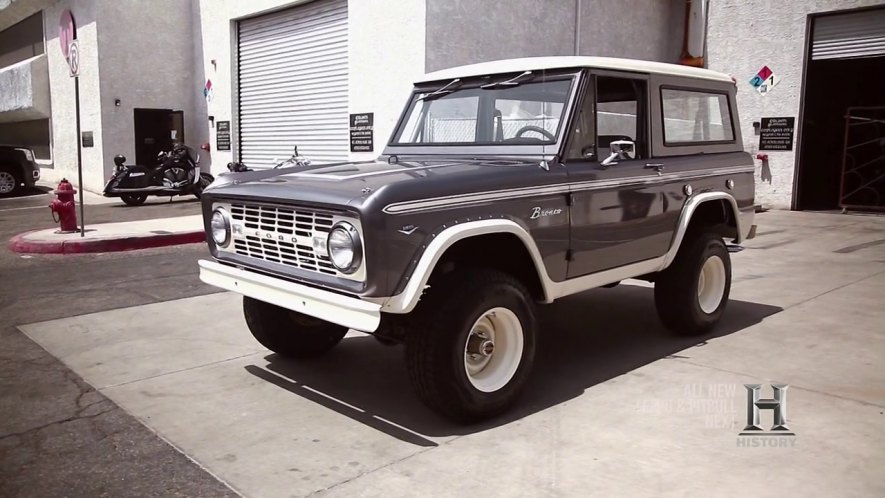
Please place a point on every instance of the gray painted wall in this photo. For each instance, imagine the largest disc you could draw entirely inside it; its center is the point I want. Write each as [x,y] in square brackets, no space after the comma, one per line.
[469,31]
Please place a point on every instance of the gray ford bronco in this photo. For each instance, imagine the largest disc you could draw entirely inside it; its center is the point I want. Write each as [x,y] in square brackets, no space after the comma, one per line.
[505,185]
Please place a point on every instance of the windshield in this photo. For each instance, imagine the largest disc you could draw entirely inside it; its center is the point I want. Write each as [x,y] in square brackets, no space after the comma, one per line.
[527,113]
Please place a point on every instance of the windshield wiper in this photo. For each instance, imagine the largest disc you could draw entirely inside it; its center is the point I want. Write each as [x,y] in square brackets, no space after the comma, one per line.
[514,81]
[439,92]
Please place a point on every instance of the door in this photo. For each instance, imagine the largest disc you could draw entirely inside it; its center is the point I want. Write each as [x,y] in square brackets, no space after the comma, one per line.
[156,130]
[293,84]
[617,204]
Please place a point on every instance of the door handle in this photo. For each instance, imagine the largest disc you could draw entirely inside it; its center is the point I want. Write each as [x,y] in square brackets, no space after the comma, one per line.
[655,166]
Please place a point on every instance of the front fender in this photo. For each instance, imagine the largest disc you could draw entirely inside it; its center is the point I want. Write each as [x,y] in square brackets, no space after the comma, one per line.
[405,301]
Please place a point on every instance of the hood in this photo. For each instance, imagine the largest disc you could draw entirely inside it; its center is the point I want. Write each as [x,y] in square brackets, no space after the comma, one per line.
[358,183]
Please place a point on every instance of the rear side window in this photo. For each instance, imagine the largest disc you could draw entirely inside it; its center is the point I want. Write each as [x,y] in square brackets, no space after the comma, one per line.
[695,116]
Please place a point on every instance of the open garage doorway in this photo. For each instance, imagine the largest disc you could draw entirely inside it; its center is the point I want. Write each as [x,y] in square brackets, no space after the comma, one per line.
[843,165]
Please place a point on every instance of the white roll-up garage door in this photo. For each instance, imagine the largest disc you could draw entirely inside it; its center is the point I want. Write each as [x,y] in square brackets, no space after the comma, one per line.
[293,84]
[854,34]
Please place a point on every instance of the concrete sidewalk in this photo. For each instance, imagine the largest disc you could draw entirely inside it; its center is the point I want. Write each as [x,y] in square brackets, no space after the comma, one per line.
[616,406]
[109,237]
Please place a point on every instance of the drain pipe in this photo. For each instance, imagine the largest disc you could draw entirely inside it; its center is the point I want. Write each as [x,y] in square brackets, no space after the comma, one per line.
[577,27]
[694,40]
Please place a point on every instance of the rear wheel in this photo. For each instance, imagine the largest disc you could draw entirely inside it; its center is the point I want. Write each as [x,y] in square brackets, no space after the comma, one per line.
[134,199]
[472,349]
[289,333]
[692,293]
[10,181]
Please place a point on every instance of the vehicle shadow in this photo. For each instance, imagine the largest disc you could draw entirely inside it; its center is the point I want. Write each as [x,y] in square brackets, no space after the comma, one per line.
[583,340]
[29,192]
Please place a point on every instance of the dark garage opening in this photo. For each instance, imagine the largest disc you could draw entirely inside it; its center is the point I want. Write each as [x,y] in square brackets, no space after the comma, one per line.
[832,86]
[844,83]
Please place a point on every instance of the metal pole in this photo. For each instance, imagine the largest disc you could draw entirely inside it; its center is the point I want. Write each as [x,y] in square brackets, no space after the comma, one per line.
[79,155]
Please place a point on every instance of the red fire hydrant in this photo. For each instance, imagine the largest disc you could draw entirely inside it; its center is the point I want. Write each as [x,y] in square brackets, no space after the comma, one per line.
[64,207]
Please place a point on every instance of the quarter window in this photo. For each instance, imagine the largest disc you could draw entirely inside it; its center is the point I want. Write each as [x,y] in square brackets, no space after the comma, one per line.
[695,117]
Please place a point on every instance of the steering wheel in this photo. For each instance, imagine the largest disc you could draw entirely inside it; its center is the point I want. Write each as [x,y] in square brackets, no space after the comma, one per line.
[537,129]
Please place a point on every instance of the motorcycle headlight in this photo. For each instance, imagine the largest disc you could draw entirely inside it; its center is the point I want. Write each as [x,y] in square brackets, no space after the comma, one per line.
[220,226]
[345,247]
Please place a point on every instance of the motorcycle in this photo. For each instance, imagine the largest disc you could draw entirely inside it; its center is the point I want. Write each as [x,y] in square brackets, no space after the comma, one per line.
[294,160]
[177,173]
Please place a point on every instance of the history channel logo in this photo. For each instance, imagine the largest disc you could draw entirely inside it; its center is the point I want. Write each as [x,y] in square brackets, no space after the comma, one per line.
[754,435]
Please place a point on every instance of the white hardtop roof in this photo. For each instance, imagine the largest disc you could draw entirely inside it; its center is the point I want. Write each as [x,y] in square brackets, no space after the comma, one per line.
[540,63]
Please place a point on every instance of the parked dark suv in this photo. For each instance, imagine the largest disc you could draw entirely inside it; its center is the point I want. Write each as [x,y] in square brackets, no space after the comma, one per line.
[17,169]
[505,185]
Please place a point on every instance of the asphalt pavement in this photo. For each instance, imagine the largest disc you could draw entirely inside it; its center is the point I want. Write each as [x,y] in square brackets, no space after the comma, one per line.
[58,435]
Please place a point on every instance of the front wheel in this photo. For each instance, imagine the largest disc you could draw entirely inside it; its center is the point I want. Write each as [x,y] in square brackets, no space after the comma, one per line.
[289,333]
[472,351]
[10,182]
[134,199]
[691,294]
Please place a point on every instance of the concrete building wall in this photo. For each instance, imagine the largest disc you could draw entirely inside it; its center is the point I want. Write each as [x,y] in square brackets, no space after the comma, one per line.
[386,55]
[25,92]
[468,31]
[61,85]
[743,37]
[147,61]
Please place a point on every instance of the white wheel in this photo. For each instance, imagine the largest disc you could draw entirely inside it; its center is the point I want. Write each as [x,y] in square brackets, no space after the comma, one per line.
[711,284]
[493,350]
[7,182]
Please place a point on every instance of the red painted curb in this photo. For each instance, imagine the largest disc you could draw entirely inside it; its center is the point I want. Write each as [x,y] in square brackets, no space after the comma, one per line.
[20,244]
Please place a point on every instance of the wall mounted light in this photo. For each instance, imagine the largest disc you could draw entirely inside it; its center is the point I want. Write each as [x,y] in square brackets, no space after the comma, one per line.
[116,102]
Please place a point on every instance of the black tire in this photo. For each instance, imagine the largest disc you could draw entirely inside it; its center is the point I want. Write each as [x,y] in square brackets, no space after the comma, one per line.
[435,347]
[676,288]
[289,333]
[11,171]
[134,199]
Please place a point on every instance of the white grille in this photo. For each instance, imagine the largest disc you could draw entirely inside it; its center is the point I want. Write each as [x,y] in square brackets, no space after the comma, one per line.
[281,235]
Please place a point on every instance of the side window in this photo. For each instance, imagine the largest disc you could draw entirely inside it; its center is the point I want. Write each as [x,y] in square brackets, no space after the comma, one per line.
[692,116]
[620,113]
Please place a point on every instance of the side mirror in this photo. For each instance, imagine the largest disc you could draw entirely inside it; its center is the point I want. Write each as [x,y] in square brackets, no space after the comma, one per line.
[119,159]
[620,150]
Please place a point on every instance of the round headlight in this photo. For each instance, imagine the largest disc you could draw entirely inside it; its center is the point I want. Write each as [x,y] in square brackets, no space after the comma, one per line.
[345,247]
[220,225]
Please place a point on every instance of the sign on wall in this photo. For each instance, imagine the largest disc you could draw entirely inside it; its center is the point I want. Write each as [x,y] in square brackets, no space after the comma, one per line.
[776,134]
[764,80]
[361,132]
[222,135]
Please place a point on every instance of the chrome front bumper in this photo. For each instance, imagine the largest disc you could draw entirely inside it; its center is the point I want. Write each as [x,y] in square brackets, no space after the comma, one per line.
[346,311]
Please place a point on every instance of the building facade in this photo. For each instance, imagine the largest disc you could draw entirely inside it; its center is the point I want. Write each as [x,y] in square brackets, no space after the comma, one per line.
[250,80]
[826,56]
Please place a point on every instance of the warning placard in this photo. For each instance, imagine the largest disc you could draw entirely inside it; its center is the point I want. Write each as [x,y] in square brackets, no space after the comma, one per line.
[776,134]
[361,132]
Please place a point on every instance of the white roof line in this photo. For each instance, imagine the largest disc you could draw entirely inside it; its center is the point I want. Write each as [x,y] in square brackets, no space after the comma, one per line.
[561,62]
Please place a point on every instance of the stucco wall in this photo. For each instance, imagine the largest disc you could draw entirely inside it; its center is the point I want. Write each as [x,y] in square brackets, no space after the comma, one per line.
[386,57]
[147,62]
[61,85]
[468,31]
[743,37]
[386,39]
